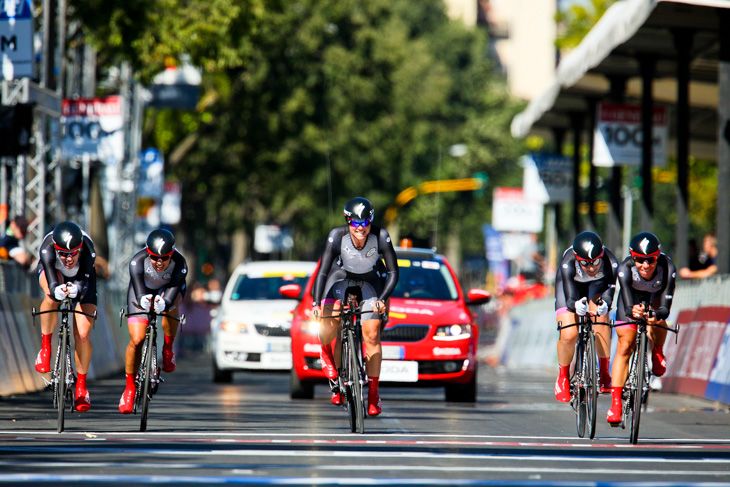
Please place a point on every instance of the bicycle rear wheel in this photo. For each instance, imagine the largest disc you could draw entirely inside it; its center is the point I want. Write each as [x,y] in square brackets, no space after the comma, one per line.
[61,385]
[146,386]
[357,410]
[591,384]
[639,391]
[578,386]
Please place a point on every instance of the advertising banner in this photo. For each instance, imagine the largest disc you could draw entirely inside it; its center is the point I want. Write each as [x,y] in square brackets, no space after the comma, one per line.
[512,211]
[618,136]
[554,178]
[16,39]
[93,128]
[701,334]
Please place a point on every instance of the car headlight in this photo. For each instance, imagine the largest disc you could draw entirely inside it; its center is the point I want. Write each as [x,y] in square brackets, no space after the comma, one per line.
[310,327]
[452,332]
[234,327]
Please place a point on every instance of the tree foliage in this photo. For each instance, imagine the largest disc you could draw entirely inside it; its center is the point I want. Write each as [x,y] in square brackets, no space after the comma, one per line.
[307,103]
[577,19]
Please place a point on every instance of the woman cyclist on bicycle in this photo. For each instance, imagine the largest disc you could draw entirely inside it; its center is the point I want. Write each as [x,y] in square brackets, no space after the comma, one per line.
[156,283]
[352,258]
[586,274]
[66,269]
[646,276]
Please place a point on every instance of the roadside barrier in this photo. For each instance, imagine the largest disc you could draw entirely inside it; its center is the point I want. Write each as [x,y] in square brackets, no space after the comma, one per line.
[698,364]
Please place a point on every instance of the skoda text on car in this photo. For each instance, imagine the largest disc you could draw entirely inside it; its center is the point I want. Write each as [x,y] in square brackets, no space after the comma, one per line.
[251,328]
[430,339]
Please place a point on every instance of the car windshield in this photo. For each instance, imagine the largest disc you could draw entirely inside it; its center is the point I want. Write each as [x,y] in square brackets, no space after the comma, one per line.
[265,287]
[424,279]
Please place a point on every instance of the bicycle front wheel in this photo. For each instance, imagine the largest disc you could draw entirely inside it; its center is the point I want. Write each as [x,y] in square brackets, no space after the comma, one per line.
[146,385]
[357,410]
[591,384]
[639,391]
[578,387]
[61,385]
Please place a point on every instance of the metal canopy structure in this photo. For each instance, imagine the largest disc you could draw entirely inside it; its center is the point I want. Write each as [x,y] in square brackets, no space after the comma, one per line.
[686,44]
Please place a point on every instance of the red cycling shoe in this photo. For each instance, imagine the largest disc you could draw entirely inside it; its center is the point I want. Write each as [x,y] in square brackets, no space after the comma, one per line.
[659,363]
[126,402]
[375,405]
[168,360]
[43,361]
[328,367]
[614,414]
[562,389]
[83,400]
[336,398]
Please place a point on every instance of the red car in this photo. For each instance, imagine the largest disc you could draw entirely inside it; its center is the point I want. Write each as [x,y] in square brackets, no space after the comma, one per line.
[430,339]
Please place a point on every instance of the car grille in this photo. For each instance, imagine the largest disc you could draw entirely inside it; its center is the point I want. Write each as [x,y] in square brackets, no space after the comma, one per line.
[405,333]
[428,367]
[272,331]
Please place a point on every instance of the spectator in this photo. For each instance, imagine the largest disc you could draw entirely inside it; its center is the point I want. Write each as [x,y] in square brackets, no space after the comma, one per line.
[707,260]
[10,247]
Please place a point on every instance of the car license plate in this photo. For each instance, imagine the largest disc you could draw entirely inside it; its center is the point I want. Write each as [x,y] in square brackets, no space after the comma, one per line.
[391,352]
[278,347]
[277,359]
[399,371]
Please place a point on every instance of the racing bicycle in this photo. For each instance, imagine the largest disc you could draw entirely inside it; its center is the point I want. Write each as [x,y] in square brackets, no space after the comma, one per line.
[351,378]
[148,377]
[636,390]
[584,385]
[63,379]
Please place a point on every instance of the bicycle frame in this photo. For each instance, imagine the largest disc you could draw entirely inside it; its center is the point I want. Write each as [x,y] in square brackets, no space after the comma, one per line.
[584,380]
[148,375]
[63,379]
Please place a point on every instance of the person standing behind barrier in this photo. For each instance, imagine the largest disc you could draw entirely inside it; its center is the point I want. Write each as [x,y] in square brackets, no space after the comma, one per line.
[66,269]
[707,261]
[586,274]
[645,276]
[10,242]
[157,276]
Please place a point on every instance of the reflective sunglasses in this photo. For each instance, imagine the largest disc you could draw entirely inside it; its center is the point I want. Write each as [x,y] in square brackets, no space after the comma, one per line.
[359,223]
[648,260]
[159,258]
[586,263]
[67,255]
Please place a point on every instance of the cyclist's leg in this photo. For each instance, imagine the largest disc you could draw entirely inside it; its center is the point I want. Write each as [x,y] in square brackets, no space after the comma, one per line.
[371,328]
[137,326]
[48,323]
[658,336]
[566,350]
[603,343]
[624,348]
[169,329]
[329,328]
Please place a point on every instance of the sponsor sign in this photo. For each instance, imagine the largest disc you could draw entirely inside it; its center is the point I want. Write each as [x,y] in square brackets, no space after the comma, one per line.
[93,128]
[399,371]
[618,136]
[700,337]
[16,39]
[513,211]
[719,387]
[548,178]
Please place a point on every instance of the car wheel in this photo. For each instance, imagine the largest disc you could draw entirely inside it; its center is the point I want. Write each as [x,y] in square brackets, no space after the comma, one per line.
[462,392]
[299,389]
[221,376]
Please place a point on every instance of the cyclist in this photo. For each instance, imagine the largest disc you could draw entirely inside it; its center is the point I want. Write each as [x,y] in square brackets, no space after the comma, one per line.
[156,283]
[586,273]
[66,269]
[352,258]
[647,275]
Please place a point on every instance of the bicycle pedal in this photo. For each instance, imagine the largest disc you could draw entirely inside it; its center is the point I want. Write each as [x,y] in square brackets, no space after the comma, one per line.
[615,425]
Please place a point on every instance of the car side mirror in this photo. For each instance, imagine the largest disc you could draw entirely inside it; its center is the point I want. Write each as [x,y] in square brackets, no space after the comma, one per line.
[291,291]
[478,296]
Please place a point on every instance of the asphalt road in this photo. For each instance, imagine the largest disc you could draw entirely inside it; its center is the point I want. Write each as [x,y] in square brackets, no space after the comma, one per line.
[251,432]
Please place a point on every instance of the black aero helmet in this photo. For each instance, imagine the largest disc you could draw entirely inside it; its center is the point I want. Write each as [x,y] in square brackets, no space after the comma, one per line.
[359,209]
[645,244]
[160,242]
[587,246]
[67,236]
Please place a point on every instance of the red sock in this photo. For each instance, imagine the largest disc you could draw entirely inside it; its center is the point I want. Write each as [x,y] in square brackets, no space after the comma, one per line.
[168,341]
[603,364]
[130,380]
[616,394]
[564,370]
[81,382]
[46,340]
[373,386]
[659,349]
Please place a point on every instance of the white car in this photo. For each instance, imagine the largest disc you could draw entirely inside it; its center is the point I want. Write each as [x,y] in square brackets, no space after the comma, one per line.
[251,329]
